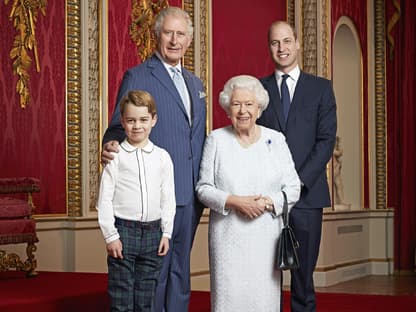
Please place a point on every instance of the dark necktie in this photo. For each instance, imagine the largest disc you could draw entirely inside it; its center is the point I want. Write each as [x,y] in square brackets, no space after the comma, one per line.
[285,96]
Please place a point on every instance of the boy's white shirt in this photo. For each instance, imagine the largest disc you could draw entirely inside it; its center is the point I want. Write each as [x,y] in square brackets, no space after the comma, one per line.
[137,185]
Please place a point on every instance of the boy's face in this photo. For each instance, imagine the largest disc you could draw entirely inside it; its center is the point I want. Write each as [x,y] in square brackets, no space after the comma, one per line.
[137,123]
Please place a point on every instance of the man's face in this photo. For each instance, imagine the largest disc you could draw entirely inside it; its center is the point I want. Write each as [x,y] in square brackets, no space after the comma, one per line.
[283,47]
[174,39]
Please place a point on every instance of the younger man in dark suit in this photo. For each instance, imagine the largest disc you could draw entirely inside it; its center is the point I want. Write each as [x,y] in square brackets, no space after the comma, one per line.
[305,112]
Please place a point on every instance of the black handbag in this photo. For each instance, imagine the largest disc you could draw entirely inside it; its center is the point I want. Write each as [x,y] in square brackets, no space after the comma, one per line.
[286,254]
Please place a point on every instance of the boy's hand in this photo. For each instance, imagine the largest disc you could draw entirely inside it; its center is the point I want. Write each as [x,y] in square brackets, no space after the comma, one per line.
[163,246]
[115,248]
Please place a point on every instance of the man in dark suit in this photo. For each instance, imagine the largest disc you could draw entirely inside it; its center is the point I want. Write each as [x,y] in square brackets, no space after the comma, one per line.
[181,131]
[308,120]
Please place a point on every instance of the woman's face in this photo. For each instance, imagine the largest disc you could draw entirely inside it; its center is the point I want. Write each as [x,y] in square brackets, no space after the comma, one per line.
[244,110]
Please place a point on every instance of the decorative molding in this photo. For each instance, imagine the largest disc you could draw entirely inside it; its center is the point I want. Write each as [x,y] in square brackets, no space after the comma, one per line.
[309,36]
[315,30]
[198,54]
[204,48]
[325,39]
[380,104]
[94,113]
[290,13]
[204,43]
[143,15]
[337,266]
[74,109]
[189,58]
[24,15]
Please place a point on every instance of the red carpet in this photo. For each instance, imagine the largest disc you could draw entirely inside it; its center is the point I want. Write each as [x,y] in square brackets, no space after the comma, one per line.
[331,302]
[52,292]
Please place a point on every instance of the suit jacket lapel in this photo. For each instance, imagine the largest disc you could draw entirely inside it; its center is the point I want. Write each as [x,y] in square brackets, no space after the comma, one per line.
[193,94]
[160,73]
[296,100]
[276,105]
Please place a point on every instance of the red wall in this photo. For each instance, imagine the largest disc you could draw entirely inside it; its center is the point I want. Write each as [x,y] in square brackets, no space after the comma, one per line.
[122,52]
[239,43]
[32,140]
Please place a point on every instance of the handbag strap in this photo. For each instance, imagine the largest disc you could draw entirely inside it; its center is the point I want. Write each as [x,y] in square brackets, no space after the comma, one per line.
[285,211]
[286,220]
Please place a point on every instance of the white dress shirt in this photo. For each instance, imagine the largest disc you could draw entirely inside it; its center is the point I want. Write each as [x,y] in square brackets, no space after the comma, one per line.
[291,81]
[137,185]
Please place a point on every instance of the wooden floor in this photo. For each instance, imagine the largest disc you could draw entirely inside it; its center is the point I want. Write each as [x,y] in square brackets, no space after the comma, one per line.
[376,285]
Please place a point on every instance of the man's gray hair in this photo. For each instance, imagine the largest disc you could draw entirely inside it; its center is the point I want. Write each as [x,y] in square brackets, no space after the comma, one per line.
[172,11]
[244,82]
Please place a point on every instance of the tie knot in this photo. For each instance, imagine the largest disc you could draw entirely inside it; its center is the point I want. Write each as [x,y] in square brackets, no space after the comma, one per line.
[285,76]
[175,70]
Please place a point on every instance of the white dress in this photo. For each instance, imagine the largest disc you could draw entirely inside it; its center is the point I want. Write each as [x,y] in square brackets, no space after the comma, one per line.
[242,251]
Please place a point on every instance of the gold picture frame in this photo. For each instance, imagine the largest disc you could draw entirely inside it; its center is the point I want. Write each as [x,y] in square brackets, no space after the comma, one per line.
[73,108]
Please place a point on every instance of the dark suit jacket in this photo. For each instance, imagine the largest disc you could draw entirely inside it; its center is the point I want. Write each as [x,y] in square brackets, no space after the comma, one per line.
[310,132]
[172,131]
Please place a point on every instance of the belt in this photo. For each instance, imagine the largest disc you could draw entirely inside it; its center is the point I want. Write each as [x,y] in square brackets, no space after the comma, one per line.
[151,225]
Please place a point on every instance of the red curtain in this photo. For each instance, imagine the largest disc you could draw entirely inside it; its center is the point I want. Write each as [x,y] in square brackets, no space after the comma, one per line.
[401,141]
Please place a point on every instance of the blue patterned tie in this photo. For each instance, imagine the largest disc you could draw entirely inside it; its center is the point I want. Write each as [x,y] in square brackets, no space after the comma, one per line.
[183,91]
[285,96]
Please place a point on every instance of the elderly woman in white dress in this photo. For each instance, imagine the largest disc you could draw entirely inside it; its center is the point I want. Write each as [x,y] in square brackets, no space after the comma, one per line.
[244,169]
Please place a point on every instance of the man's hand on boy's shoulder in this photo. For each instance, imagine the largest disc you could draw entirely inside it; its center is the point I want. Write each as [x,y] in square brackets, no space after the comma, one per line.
[108,148]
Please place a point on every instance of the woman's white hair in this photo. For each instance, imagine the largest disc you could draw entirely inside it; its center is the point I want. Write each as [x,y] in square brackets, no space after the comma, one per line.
[175,11]
[244,82]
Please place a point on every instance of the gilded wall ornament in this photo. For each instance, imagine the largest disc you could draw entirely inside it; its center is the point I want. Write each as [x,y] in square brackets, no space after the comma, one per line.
[24,16]
[392,22]
[142,18]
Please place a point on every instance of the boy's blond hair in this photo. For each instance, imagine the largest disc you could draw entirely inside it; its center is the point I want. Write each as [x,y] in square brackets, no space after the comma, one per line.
[139,98]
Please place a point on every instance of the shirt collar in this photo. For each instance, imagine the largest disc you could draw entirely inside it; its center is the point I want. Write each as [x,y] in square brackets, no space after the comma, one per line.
[294,73]
[168,66]
[148,148]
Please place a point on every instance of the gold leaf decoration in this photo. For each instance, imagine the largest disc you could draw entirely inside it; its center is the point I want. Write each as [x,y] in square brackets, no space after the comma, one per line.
[392,22]
[24,14]
[143,15]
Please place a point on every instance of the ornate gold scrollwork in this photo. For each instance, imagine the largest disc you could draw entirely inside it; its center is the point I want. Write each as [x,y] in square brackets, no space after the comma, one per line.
[392,22]
[142,18]
[24,15]
[13,261]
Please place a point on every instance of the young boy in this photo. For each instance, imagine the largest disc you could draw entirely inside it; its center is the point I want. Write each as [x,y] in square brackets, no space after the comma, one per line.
[136,208]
